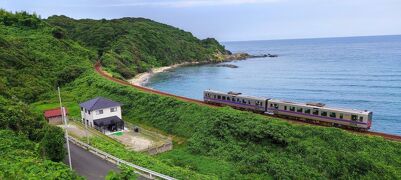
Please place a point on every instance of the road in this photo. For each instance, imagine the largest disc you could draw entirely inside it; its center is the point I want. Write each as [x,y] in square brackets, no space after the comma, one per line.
[88,165]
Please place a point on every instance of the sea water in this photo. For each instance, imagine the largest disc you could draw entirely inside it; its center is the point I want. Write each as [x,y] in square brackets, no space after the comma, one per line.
[355,72]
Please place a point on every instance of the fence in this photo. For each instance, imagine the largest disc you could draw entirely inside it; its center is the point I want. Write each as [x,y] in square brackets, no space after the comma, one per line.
[138,169]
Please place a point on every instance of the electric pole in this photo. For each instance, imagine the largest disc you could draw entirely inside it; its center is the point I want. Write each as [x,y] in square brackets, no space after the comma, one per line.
[63,116]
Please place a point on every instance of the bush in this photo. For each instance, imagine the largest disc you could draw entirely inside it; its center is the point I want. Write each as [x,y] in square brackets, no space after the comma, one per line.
[53,144]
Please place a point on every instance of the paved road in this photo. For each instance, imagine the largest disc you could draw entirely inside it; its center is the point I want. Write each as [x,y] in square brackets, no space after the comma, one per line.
[88,165]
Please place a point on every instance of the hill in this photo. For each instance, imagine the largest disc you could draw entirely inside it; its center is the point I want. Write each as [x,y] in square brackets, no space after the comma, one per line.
[35,58]
[128,46]
[210,143]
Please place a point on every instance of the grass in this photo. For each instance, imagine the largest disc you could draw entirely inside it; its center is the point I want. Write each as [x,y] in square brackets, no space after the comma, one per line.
[72,107]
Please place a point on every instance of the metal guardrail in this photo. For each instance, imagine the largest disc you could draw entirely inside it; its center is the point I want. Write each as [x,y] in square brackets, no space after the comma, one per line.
[138,169]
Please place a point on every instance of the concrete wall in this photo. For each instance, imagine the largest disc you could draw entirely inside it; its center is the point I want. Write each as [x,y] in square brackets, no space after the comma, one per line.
[55,120]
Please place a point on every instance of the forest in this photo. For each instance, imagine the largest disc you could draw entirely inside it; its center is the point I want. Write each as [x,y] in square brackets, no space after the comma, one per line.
[38,55]
[128,46]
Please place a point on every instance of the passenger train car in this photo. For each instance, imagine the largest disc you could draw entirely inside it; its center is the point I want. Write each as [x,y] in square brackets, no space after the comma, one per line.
[310,112]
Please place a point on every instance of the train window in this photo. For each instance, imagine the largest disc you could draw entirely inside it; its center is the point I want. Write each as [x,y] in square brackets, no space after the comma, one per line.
[315,112]
[292,108]
[224,98]
[323,113]
[271,105]
[332,114]
[238,100]
[285,108]
[276,106]
[360,118]
[341,116]
[354,117]
[307,111]
[214,96]
[233,99]
[218,97]
[299,110]
[249,102]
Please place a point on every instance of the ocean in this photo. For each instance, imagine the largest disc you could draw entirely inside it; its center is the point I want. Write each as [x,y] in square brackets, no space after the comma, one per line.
[353,72]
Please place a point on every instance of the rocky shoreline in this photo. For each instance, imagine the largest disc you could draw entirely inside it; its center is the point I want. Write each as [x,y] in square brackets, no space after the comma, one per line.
[143,78]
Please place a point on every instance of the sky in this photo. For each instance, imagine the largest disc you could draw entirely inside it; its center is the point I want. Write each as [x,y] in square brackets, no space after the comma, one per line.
[238,20]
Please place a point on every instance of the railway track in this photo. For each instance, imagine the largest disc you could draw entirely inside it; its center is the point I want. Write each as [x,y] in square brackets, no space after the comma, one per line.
[99,70]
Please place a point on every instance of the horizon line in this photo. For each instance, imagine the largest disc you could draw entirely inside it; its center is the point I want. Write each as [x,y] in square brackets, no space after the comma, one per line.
[330,37]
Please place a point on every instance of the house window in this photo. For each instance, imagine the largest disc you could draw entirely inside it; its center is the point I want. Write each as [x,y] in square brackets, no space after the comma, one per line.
[307,111]
[315,112]
[333,114]
[299,110]
[99,112]
[323,113]
[113,109]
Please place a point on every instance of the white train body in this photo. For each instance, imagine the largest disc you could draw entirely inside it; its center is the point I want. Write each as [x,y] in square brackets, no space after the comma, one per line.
[313,112]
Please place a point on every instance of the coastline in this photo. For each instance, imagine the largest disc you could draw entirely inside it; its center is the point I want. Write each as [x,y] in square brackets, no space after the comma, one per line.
[142,78]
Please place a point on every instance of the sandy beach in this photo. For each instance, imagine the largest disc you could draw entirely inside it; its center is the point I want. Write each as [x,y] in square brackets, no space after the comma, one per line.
[142,78]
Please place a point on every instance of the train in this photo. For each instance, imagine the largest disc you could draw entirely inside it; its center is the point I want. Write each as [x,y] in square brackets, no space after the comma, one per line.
[312,112]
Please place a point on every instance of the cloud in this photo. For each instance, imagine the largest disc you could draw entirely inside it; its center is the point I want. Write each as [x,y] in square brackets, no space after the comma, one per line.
[191,3]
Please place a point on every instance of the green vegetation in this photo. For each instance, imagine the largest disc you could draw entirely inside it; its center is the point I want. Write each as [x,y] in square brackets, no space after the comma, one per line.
[19,159]
[33,62]
[257,146]
[133,45]
[53,144]
[126,174]
[218,142]
[143,160]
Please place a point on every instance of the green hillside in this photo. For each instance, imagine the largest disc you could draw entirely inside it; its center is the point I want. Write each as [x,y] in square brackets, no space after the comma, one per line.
[210,143]
[32,62]
[129,46]
[35,58]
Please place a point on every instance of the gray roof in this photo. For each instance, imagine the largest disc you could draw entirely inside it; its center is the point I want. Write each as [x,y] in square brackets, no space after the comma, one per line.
[99,103]
[107,121]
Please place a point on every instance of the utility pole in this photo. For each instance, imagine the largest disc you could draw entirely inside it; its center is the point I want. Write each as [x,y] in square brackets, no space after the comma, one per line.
[86,132]
[63,115]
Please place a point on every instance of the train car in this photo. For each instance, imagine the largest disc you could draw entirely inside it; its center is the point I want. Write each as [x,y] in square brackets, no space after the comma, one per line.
[236,100]
[310,112]
[320,113]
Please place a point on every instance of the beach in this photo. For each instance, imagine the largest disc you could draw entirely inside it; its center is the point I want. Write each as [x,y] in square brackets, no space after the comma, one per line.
[142,78]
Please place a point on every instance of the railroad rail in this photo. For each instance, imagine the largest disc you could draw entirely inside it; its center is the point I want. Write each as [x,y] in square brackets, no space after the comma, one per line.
[98,68]
[138,169]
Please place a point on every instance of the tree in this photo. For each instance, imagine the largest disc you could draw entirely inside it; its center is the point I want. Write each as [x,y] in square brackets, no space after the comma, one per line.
[53,144]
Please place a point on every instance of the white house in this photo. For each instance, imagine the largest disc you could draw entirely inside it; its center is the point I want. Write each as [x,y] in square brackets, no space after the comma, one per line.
[102,114]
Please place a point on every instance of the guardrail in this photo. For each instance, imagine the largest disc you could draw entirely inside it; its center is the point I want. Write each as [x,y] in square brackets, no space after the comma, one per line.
[138,169]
